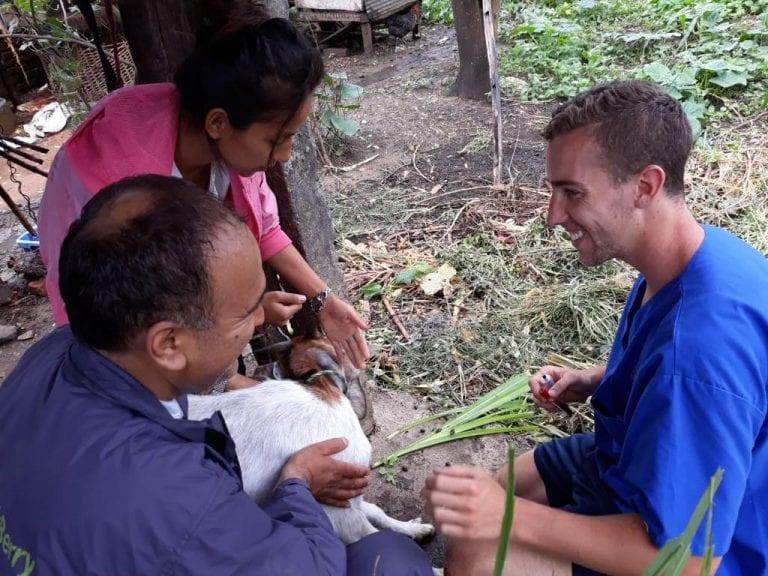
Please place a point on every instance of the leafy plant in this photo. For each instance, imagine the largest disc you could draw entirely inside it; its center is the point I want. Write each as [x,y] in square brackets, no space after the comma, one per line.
[509,514]
[412,274]
[437,11]
[336,96]
[503,410]
[371,290]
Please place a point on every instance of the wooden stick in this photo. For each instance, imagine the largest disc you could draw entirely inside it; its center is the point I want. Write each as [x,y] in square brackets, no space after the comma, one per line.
[19,214]
[395,318]
[353,166]
[493,69]
[23,164]
[46,37]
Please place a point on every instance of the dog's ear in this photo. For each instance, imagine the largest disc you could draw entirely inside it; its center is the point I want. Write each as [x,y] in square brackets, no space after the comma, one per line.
[358,397]
[273,353]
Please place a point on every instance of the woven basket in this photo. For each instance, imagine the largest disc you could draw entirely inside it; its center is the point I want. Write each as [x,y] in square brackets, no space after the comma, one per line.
[90,72]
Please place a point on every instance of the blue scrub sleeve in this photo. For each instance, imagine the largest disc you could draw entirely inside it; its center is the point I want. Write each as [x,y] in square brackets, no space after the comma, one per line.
[681,432]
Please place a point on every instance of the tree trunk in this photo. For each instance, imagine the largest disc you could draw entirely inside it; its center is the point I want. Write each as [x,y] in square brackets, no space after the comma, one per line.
[473,81]
[159,35]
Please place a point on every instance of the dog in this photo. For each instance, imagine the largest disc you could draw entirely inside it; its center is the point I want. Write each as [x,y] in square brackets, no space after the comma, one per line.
[272,420]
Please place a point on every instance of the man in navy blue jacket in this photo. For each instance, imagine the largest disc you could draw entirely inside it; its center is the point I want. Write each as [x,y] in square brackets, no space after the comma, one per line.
[101,471]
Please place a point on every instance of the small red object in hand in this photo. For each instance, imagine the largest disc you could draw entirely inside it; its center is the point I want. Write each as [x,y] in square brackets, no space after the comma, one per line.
[546,384]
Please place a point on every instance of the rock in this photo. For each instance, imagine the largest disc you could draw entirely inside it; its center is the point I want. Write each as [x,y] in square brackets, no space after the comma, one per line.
[8,333]
[28,264]
[6,294]
[28,335]
[37,287]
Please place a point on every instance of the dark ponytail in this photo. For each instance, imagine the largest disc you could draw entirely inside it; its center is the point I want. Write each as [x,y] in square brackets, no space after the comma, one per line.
[256,73]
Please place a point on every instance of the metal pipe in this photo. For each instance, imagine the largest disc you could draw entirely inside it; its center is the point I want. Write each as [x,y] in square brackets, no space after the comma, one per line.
[5,147]
[23,144]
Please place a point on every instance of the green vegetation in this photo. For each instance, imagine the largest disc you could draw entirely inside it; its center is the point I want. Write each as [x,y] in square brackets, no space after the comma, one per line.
[711,55]
[336,97]
[437,11]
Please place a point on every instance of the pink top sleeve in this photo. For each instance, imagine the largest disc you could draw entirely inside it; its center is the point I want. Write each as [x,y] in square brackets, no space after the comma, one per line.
[60,206]
[272,239]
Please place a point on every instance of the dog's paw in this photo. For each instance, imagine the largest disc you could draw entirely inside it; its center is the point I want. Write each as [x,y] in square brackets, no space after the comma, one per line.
[419,530]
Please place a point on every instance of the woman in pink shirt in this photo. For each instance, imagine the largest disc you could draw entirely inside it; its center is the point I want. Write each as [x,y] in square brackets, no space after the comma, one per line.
[231,113]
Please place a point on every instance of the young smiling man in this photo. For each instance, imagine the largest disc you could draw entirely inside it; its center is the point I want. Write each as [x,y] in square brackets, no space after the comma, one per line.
[102,473]
[685,388]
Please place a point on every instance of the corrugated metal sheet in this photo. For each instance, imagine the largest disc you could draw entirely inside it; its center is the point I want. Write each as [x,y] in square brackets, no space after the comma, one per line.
[379,9]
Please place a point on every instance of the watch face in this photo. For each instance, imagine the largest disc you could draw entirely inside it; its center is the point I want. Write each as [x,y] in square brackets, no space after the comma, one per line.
[317,303]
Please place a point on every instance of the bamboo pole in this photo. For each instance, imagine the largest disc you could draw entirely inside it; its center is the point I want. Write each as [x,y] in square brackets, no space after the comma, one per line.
[19,214]
[493,70]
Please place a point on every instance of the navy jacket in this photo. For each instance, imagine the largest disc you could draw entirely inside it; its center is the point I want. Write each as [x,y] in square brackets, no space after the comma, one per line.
[97,478]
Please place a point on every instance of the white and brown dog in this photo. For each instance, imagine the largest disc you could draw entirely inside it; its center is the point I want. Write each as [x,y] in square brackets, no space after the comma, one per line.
[274,419]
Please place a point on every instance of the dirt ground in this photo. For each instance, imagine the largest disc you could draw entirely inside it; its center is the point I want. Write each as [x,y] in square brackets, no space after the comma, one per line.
[426,142]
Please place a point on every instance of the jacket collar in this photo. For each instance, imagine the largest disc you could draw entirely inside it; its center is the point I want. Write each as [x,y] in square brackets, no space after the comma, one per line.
[86,367]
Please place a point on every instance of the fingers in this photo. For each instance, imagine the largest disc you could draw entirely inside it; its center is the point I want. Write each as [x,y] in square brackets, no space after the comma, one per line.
[340,495]
[334,502]
[439,500]
[353,472]
[460,470]
[543,392]
[359,322]
[289,298]
[353,351]
[351,484]
[330,446]
[459,485]
[280,307]
[362,345]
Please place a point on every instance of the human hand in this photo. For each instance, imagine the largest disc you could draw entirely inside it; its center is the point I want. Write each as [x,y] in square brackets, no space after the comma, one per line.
[279,307]
[464,502]
[344,328]
[330,481]
[569,386]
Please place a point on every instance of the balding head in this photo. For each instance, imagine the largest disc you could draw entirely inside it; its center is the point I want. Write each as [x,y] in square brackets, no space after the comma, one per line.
[140,254]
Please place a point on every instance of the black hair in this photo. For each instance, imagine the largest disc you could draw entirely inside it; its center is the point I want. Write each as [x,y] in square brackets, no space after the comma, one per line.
[259,72]
[138,255]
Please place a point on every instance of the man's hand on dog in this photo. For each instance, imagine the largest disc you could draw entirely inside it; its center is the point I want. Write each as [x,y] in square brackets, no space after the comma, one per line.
[331,481]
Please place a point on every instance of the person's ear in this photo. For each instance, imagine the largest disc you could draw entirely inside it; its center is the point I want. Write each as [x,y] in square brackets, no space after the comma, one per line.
[168,346]
[650,183]
[217,123]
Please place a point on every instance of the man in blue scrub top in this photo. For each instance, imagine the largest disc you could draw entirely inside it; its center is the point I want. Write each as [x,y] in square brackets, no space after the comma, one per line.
[684,390]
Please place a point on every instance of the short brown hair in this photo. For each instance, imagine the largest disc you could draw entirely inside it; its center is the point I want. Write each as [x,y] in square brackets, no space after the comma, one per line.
[635,123]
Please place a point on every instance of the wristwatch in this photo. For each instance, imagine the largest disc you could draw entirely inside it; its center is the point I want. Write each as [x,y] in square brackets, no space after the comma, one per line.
[317,303]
